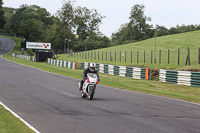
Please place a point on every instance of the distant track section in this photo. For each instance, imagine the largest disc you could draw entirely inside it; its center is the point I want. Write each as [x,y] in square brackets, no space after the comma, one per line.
[6,45]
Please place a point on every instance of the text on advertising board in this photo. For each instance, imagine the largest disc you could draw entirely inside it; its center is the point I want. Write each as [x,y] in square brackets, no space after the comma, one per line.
[36,45]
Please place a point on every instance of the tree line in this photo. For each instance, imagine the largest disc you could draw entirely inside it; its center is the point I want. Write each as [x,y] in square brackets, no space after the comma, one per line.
[79,26]
[138,29]
[74,24]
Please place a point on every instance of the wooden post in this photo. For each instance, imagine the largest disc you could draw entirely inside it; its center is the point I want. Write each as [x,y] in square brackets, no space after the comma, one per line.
[144,56]
[120,56]
[106,56]
[178,56]
[199,55]
[110,56]
[88,54]
[137,57]
[125,56]
[151,56]
[98,55]
[131,57]
[102,55]
[188,57]
[91,54]
[160,57]
[95,55]
[168,55]
[115,56]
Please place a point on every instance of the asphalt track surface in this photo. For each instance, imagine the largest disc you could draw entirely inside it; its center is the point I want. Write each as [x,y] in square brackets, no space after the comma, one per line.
[52,104]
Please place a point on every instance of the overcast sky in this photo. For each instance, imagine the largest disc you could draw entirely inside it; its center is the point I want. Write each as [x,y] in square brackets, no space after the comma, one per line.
[162,12]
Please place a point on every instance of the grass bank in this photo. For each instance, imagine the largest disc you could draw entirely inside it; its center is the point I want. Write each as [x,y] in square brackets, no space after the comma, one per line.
[141,53]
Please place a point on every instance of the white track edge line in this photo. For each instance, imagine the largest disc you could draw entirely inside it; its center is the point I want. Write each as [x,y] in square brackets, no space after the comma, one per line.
[110,86]
[17,116]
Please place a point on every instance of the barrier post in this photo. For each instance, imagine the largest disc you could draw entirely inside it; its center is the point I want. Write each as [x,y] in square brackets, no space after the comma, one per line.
[199,55]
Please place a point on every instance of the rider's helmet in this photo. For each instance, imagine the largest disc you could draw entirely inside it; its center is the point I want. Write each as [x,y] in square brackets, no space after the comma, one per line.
[92,66]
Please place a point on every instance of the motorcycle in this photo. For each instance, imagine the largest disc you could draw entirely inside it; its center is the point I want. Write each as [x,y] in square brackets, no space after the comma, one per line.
[89,86]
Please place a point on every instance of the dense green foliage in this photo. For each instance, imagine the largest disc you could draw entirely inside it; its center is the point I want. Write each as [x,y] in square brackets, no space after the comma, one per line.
[30,22]
[78,25]
[2,18]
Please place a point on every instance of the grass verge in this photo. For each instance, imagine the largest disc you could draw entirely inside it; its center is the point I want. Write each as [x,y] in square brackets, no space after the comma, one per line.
[11,124]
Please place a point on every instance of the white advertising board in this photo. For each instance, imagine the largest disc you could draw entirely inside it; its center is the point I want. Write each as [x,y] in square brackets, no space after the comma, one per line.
[36,45]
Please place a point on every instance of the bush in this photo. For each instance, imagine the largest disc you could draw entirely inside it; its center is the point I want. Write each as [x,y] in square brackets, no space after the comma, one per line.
[30,52]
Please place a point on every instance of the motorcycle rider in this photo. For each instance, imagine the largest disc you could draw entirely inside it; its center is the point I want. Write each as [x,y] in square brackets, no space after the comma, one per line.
[90,69]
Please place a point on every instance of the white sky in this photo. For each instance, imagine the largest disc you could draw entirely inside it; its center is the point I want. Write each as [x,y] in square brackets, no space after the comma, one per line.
[162,12]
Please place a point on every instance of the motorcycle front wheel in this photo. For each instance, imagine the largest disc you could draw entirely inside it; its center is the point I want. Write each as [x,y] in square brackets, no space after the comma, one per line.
[91,93]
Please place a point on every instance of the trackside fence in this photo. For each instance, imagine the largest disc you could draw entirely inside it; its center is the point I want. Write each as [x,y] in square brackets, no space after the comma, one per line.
[123,71]
[180,77]
[26,57]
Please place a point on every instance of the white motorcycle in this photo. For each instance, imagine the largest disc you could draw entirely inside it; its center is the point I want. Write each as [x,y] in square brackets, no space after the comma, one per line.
[89,86]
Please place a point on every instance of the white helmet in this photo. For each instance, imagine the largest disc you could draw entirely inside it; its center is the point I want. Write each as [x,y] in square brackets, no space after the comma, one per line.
[92,66]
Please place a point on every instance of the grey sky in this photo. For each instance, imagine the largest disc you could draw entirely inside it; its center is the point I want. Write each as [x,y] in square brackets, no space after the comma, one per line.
[163,12]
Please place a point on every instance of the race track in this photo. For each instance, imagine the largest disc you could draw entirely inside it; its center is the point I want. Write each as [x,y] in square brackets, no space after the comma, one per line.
[52,104]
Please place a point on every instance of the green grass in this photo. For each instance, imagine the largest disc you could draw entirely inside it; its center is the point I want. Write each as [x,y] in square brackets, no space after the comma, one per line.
[11,124]
[146,86]
[172,42]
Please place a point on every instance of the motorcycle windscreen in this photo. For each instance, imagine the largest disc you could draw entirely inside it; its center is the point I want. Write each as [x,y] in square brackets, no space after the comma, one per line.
[92,75]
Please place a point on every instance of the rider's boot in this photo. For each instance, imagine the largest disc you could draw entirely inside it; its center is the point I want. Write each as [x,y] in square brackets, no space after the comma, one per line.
[80,87]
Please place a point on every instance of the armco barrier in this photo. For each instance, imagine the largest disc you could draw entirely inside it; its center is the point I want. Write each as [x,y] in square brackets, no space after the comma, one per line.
[123,71]
[180,77]
[195,79]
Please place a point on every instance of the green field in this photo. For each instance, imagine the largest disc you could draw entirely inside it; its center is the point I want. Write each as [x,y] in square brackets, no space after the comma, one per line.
[172,42]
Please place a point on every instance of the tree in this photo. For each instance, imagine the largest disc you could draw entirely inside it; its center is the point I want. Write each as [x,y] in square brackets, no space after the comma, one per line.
[162,30]
[9,12]
[2,17]
[31,22]
[137,29]
[87,22]
[65,25]
[138,22]
[77,21]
